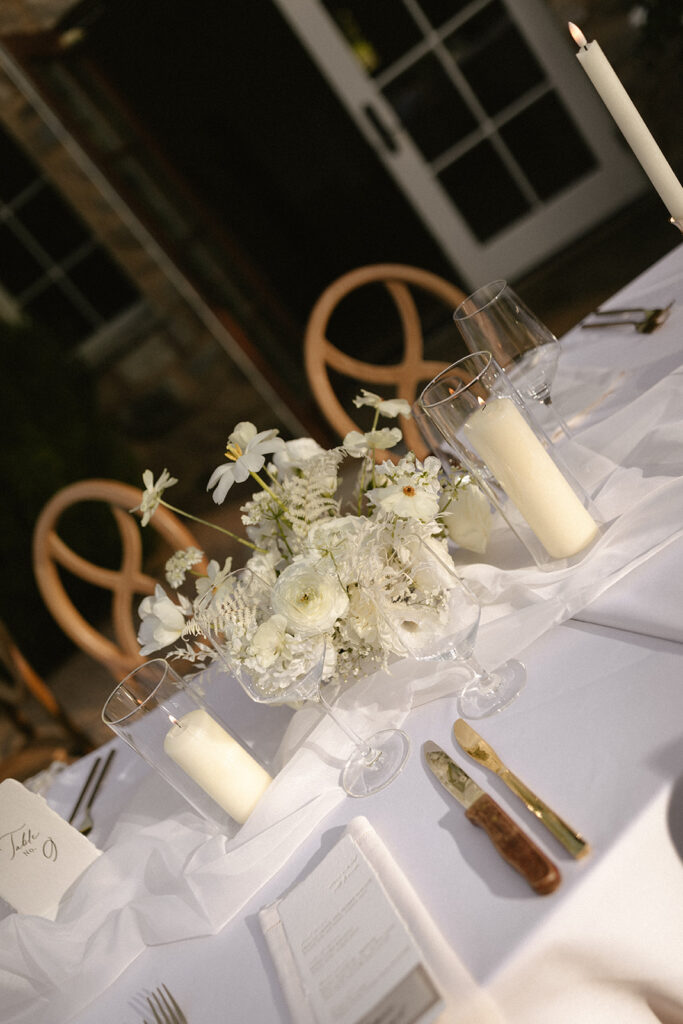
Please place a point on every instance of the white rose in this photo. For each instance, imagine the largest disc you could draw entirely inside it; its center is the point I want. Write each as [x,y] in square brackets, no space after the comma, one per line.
[162,621]
[310,601]
[295,454]
[468,520]
[268,640]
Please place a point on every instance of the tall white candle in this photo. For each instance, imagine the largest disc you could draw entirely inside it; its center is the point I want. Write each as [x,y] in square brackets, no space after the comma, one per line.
[507,444]
[635,131]
[217,763]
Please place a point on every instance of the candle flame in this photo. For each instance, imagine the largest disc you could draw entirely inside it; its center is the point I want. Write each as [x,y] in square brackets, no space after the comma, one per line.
[576,34]
[482,403]
[172,719]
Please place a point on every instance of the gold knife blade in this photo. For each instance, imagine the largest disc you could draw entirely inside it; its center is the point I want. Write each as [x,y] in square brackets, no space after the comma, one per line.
[508,838]
[482,752]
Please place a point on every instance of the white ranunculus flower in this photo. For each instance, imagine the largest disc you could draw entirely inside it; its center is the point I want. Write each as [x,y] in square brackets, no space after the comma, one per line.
[268,640]
[295,453]
[357,444]
[310,600]
[362,616]
[162,621]
[468,519]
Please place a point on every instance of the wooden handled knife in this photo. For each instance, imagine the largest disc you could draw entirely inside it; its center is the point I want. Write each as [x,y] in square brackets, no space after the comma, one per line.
[508,838]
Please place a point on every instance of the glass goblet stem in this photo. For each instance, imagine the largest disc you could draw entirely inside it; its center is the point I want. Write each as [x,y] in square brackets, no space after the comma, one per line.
[489,692]
[367,752]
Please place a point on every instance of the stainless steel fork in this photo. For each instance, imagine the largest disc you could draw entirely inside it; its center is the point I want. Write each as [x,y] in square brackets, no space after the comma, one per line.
[165,1009]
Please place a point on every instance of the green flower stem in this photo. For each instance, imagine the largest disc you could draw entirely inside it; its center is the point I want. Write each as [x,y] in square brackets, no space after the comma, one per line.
[214,526]
[269,490]
[454,494]
[374,461]
[361,488]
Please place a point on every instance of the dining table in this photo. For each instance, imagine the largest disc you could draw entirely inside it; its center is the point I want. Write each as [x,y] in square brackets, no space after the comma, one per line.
[597,732]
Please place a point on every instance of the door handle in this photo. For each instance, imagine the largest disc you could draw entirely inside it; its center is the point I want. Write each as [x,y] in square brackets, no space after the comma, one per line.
[385,135]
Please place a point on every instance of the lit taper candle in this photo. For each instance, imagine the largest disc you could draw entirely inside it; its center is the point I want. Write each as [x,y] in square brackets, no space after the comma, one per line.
[633,128]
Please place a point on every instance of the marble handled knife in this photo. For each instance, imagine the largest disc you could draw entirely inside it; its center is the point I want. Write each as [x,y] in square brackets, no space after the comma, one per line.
[508,838]
[481,751]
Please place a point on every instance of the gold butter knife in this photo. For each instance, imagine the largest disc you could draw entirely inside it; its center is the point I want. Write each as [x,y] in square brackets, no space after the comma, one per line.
[473,744]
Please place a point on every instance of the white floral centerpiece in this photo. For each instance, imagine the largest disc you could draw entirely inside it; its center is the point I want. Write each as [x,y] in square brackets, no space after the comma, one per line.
[321,573]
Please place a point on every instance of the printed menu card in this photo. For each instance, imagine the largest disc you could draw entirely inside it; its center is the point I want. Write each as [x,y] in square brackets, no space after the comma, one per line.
[41,855]
[342,950]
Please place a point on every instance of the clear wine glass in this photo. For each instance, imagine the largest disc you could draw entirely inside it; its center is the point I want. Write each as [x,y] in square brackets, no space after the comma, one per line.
[442,625]
[495,319]
[375,761]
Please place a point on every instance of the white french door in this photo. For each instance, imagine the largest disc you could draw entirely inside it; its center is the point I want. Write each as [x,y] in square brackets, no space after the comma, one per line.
[479,110]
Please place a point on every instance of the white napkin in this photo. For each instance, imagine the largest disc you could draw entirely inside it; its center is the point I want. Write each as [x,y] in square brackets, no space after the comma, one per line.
[464,1000]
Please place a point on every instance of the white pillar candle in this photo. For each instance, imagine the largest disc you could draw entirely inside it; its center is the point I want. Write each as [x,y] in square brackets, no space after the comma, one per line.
[530,478]
[217,763]
[633,128]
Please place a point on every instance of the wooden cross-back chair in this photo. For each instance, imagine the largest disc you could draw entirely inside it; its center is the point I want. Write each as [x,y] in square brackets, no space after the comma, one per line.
[406,376]
[127,583]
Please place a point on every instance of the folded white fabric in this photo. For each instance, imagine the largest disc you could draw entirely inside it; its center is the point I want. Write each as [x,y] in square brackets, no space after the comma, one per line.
[464,1000]
[613,956]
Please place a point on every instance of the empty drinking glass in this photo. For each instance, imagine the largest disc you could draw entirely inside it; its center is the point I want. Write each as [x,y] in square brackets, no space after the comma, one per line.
[496,320]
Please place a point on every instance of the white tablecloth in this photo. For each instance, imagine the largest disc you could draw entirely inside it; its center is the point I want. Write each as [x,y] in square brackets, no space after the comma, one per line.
[596,731]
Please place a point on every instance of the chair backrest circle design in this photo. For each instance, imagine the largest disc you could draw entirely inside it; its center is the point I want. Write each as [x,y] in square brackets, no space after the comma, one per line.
[126,583]
[406,375]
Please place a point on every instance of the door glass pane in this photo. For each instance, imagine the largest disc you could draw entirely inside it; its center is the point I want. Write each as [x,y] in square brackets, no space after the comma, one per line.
[547,146]
[494,58]
[439,11]
[52,223]
[378,32]
[18,268]
[17,169]
[430,107]
[51,307]
[483,191]
[104,286]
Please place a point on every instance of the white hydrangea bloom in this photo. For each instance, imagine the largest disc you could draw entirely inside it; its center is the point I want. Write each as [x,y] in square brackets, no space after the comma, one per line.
[179,564]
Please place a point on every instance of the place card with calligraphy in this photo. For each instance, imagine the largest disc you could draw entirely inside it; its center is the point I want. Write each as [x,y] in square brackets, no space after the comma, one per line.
[40,854]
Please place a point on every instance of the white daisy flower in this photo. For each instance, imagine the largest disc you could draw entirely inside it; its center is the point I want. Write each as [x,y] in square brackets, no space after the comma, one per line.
[357,445]
[408,500]
[246,448]
[152,493]
[390,407]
